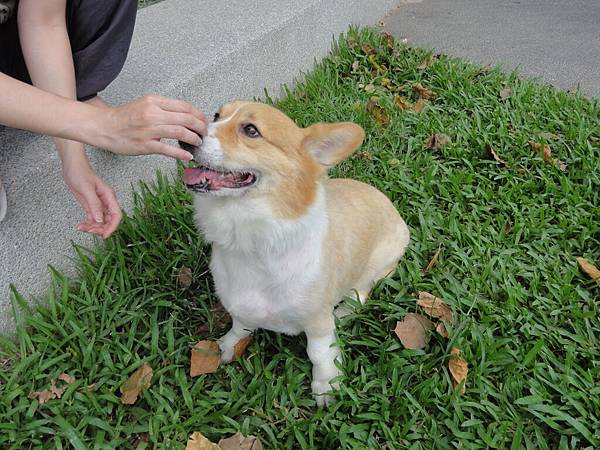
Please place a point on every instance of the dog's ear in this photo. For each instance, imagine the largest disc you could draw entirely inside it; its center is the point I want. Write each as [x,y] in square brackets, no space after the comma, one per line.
[331,143]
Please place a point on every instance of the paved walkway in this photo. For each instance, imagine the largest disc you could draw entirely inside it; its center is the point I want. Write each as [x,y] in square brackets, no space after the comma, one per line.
[557,40]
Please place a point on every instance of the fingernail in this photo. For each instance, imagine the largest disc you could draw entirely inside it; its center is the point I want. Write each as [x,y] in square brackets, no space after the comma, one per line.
[99,219]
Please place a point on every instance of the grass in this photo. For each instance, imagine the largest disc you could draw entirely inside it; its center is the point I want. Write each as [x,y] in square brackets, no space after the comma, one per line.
[527,318]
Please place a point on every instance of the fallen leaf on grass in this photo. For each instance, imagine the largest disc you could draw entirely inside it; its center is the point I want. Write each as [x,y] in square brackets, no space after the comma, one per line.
[436,141]
[549,136]
[240,442]
[435,307]
[379,67]
[66,378]
[378,112]
[135,384]
[547,155]
[422,91]
[427,62]
[497,158]
[367,156]
[505,93]
[441,329]
[355,66]
[590,269]
[433,260]
[369,88]
[394,162]
[458,369]
[42,396]
[401,102]
[197,441]
[206,357]
[413,331]
[184,277]
[482,70]
[419,105]
[241,346]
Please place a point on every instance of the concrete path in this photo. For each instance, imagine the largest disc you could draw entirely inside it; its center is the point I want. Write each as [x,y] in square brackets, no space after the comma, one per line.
[206,52]
[556,40]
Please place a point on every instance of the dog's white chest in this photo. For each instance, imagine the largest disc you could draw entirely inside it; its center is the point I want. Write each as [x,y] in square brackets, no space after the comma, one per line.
[270,293]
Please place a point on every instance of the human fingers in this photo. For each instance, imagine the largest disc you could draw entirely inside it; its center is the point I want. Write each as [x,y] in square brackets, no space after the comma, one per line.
[112,210]
[179,133]
[186,120]
[160,148]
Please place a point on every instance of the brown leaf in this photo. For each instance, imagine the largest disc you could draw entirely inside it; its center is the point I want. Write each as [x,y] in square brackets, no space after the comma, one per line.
[590,269]
[482,70]
[381,23]
[240,442]
[378,112]
[401,102]
[58,392]
[241,346]
[549,136]
[367,156]
[367,49]
[505,93]
[66,378]
[184,277]
[369,88]
[433,260]
[497,158]
[435,307]
[135,384]
[394,162]
[42,396]
[537,147]
[458,369]
[441,329]
[197,441]
[436,141]
[206,357]
[419,105]
[562,166]
[413,331]
[427,62]
[422,91]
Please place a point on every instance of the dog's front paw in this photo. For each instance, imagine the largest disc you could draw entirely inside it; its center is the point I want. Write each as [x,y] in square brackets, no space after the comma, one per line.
[226,350]
[322,390]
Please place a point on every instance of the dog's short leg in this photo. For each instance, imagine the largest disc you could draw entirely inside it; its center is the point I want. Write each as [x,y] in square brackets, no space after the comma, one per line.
[322,352]
[227,343]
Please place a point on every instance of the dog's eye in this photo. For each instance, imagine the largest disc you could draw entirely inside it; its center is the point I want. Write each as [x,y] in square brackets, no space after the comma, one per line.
[251,131]
[217,115]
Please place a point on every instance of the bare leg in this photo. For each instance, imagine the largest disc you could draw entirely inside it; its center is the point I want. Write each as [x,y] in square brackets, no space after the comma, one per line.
[227,343]
[98,101]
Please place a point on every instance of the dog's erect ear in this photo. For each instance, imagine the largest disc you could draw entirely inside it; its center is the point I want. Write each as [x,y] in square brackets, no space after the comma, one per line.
[332,143]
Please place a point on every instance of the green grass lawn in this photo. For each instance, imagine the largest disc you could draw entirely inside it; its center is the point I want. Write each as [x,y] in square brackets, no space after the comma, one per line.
[526,317]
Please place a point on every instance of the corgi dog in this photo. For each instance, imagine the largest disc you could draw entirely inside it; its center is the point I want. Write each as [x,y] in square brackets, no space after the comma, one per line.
[288,243]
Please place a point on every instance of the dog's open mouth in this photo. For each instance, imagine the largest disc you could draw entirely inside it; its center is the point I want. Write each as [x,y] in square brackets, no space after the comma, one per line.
[206,179]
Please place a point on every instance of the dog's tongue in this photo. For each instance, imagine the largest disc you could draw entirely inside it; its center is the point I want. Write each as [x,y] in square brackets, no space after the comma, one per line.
[200,175]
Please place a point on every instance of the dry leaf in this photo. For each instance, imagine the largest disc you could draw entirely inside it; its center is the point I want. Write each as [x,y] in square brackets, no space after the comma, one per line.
[497,158]
[241,346]
[507,228]
[435,307]
[458,369]
[206,357]
[549,136]
[394,162]
[197,441]
[401,102]
[367,156]
[381,23]
[433,260]
[591,270]
[505,93]
[66,378]
[427,62]
[562,166]
[378,112]
[483,69]
[135,384]
[387,83]
[240,442]
[536,147]
[355,66]
[436,141]
[413,331]
[367,49]
[422,91]
[56,391]
[369,88]
[441,329]
[42,396]
[419,105]
[184,277]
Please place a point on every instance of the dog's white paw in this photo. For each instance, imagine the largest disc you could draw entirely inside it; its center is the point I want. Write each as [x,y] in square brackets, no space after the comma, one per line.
[321,390]
[226,351]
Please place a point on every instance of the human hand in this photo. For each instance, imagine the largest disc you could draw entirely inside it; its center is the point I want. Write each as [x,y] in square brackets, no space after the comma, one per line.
[98,200]
[136,128]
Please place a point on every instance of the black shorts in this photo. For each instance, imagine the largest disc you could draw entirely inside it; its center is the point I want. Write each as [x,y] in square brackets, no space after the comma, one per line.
[100,35]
